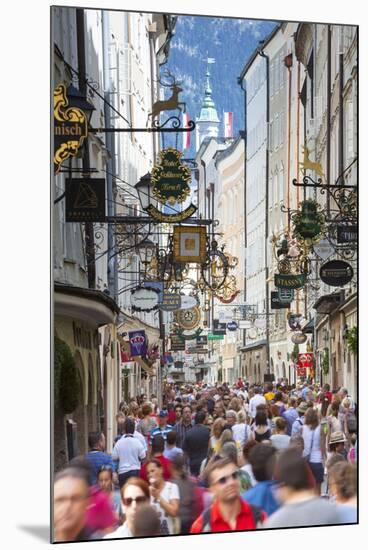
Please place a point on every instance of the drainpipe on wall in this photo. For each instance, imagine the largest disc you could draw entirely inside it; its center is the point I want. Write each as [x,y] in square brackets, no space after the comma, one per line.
[112,267]
[262,54]
[243,134]
[341,115]
[88,227]
[328,145]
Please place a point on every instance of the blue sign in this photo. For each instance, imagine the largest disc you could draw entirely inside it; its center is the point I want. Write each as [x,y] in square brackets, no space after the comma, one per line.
[138,343]
[232,326]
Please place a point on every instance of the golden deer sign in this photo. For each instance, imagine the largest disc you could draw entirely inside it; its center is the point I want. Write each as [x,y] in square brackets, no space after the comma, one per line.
[308,164]
[172,103]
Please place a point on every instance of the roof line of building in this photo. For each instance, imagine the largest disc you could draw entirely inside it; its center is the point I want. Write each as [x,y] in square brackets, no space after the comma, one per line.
[222,155]
[259,48]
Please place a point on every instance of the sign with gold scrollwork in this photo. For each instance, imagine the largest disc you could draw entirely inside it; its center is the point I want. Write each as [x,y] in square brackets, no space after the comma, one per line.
[170,178]
[70,128]
[188,319]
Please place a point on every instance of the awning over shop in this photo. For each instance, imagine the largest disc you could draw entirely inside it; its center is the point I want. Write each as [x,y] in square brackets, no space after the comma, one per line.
[85,304]
[329,302]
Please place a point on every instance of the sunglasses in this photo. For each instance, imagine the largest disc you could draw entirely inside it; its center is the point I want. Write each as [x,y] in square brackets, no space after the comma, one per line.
[225,479]
[129,500]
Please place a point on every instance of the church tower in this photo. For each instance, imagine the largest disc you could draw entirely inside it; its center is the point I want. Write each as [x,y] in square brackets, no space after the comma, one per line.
[208,123]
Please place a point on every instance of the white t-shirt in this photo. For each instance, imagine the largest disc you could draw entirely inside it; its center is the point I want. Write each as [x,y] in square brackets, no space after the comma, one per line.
[241,434]
[169,492]
[129,451]
[254,402]
[312,445]
[121,532]
[280,441]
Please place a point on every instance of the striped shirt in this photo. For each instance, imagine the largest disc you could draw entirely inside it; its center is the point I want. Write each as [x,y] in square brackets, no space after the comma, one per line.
[163,432]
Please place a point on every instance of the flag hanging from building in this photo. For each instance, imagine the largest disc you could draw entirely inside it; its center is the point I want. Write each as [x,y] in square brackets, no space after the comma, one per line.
[228,125]
[186,135]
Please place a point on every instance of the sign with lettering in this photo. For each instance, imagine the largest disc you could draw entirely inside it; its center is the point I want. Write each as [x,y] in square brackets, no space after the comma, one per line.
[347,234]
[187,302]
[276,303]
[289,281]
[171,218]
[176,343]
[170,178]
[70,128]
[336,273]
[158,285]
[233,325]
[85,200]
[144,299]
[216,336]
[170,302]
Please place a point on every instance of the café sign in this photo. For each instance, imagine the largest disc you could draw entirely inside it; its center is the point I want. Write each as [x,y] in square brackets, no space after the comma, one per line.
[70,128]
[144,299]
[336,273]
[289,281]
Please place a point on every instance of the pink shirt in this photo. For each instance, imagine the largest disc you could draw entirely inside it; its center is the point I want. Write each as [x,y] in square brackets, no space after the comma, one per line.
[100,514]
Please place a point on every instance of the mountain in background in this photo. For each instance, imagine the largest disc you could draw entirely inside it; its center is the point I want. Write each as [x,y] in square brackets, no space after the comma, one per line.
[230,42]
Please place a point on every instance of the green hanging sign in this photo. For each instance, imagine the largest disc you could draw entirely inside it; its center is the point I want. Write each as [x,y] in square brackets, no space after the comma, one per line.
[289,281]
[170,178]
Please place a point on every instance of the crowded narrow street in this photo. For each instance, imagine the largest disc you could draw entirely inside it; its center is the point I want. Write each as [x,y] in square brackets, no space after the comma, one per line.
[205,271]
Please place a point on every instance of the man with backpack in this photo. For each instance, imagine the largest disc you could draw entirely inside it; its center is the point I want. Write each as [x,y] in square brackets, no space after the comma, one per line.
[228,512]
[296,428]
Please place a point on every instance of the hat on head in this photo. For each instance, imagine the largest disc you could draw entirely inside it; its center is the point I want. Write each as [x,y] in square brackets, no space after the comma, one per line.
[302,408]
[337,437]
[163,413]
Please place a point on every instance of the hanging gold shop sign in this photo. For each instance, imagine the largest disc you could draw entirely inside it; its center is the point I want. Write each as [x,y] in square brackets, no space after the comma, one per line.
[70,128]
[189,244]
[170,178]
[188,319]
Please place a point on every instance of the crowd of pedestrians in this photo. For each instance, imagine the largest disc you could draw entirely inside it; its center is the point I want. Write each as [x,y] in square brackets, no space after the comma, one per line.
[214,459]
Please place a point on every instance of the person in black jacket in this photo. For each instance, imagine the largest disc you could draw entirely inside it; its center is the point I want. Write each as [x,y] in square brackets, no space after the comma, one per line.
[196,443]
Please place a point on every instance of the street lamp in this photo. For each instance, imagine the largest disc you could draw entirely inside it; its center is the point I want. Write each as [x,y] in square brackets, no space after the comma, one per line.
[77,99]
[146,251]
[143,188]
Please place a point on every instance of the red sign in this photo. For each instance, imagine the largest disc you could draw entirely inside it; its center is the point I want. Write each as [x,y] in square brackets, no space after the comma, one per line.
[301,372]
[305,360]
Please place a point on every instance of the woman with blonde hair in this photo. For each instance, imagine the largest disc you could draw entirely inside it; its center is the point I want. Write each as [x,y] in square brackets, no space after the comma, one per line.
[241,430]
[216,431]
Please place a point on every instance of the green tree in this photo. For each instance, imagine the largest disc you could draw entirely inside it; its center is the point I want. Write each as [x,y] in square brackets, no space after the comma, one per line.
[66,378]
